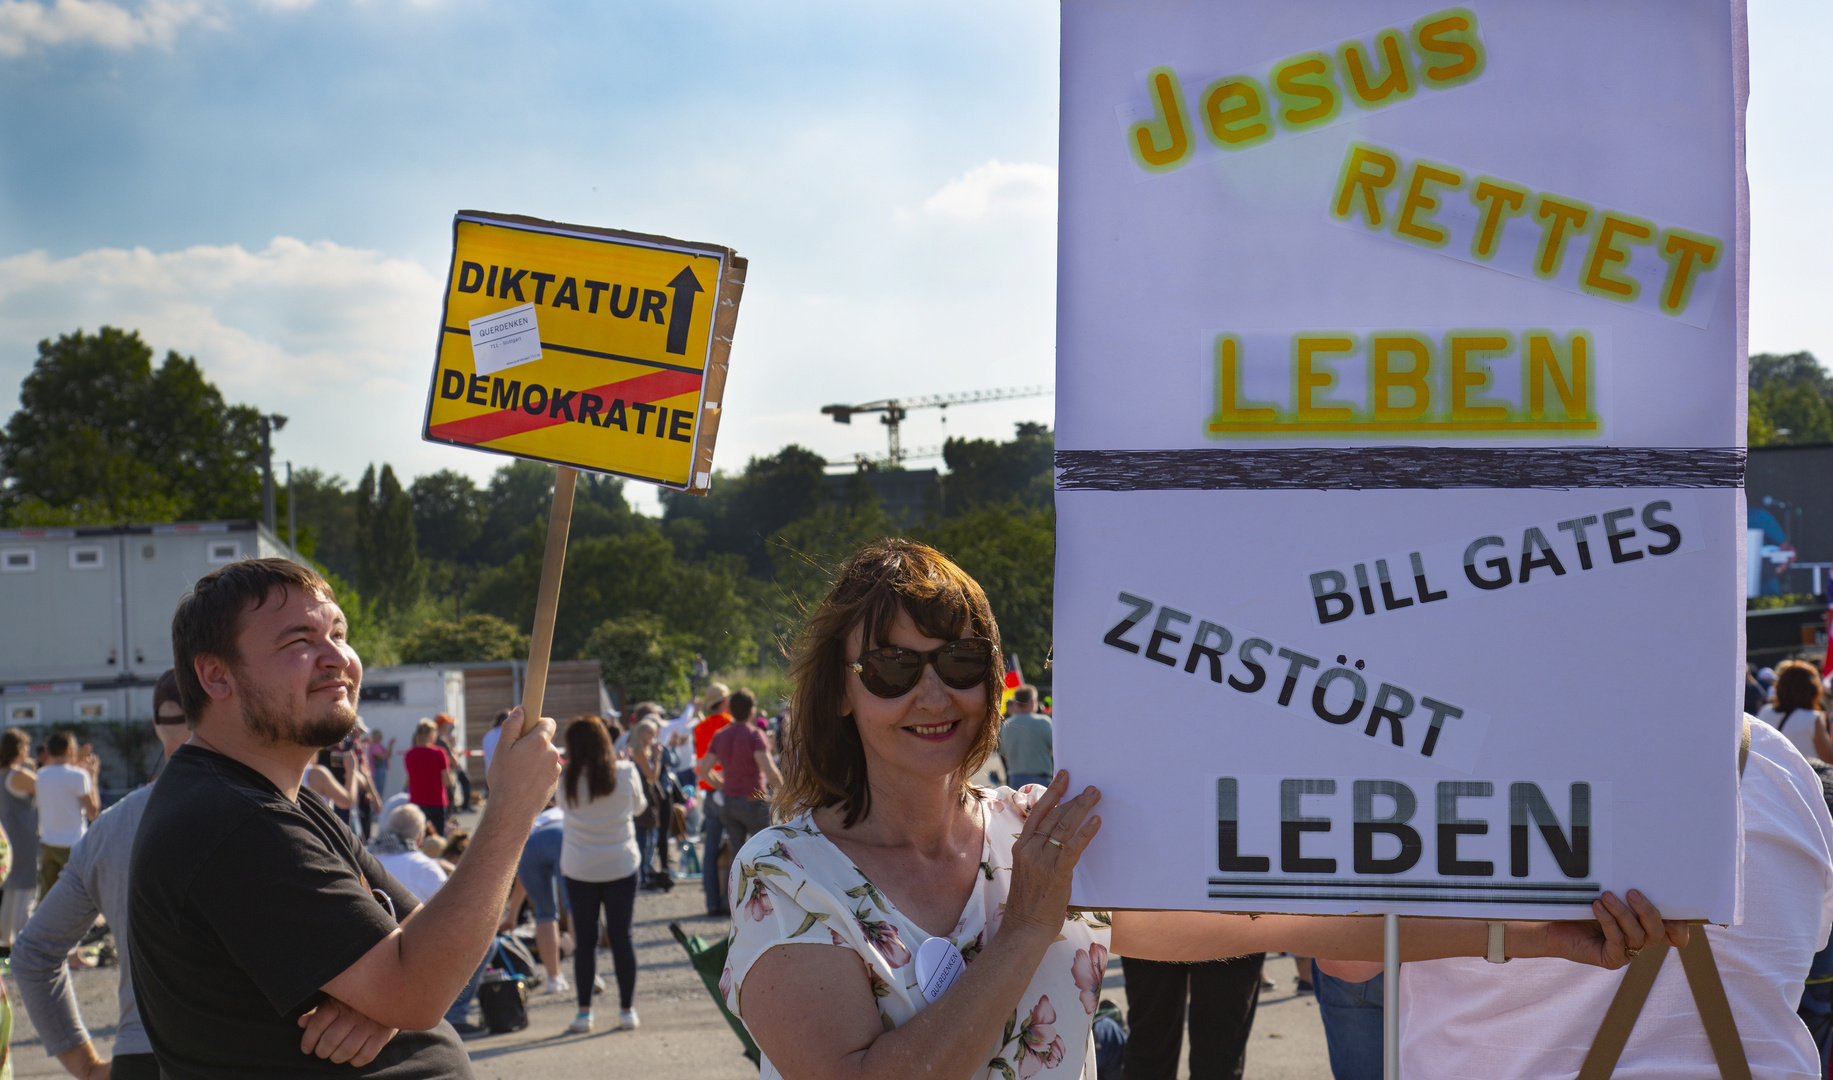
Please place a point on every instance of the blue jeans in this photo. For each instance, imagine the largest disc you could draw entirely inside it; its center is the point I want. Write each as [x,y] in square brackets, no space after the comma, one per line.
[1352,1015]
[462,1007]
[539,871]
[712,831]
[646,854]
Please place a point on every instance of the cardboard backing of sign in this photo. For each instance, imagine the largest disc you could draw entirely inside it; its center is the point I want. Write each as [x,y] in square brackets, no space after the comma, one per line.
[595,348]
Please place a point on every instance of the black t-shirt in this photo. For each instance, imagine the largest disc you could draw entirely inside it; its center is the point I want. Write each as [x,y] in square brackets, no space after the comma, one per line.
[243,904]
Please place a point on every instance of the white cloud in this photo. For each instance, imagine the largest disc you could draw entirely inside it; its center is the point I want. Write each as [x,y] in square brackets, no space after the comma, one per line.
[26,23]
[339,339]
[998,190]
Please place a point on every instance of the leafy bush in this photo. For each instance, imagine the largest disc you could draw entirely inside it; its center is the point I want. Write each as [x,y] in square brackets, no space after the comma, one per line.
[474,637]
[639,653]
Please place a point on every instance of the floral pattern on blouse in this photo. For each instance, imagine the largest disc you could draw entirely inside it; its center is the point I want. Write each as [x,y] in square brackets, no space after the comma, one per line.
[797,887]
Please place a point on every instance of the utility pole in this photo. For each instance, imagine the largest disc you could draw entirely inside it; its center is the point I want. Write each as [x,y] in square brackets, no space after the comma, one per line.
[292,515]
[270,423]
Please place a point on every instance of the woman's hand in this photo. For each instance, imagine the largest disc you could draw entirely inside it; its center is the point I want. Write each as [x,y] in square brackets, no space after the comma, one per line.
[1054,837]
[1621,931]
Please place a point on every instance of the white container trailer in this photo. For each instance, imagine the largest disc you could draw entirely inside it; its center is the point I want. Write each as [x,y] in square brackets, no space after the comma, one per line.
[395,698]
[92,605]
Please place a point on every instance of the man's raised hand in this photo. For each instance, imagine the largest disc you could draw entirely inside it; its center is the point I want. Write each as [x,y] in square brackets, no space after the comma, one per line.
[526,765]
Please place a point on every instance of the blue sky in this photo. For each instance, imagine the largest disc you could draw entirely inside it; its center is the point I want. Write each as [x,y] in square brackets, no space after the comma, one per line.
[269,187]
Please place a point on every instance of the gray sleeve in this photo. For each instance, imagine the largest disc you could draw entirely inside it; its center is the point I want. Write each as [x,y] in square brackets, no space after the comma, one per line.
[38,960]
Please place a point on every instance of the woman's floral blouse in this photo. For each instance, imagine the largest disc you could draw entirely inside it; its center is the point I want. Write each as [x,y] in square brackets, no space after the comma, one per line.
[796,887]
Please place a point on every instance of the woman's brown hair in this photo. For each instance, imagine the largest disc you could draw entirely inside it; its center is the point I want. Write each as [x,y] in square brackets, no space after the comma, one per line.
[14,744]
[1797,687]
[822,759]
[588,754]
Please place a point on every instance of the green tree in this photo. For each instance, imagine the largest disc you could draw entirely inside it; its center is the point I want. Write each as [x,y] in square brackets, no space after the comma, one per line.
[448,515]
[514,507]
[388,562]
[742,512]
[1791,400]
[325,509]
[711,602]
[105,437]
[474,637]
[639,653]
[982,472]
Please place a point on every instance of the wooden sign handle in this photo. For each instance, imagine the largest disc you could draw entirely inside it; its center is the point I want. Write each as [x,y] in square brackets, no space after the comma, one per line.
[547,599]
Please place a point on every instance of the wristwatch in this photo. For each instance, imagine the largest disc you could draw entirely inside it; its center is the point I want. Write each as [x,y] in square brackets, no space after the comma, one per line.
[1497,954]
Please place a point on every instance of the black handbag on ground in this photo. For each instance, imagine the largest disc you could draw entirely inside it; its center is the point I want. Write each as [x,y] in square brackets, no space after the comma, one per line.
[503,993]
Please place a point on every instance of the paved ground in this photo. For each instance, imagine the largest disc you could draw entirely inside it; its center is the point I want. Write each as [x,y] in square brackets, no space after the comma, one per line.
[682,1034]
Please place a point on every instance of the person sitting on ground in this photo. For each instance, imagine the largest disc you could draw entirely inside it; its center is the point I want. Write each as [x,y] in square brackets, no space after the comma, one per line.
[1027,741]
[884,842]
[68,801]
[94,883]
[19,818]
[598,857]
[740,765]
[397,848]
[255,913]
[429,769]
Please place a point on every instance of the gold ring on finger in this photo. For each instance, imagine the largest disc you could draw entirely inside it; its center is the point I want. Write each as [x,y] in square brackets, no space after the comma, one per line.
[1631,953]
[1053,840]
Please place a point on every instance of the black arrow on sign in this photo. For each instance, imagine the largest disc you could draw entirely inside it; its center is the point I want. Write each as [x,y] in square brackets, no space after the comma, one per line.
[681,312]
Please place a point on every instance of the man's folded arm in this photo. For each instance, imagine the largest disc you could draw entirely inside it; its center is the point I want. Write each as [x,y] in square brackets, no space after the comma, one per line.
[410,978]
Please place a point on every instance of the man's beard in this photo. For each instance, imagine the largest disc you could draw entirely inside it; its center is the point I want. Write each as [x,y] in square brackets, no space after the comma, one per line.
[268,720]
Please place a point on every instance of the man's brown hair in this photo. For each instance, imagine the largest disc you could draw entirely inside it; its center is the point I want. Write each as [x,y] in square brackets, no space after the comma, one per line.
[209,617]
[823,760]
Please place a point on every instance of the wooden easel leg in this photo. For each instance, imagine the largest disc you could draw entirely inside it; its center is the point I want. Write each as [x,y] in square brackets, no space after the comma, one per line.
[1708,996]
[1714,1006]
[1625,1007]
[547,600]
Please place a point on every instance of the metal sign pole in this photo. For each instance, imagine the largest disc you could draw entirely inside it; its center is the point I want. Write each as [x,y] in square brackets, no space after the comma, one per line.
[1390,997]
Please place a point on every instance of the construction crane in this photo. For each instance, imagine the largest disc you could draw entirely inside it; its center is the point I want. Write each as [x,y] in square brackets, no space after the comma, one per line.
[896,409]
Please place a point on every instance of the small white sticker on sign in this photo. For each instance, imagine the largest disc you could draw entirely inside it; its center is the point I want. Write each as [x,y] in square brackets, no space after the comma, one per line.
[938,965]
[505,339]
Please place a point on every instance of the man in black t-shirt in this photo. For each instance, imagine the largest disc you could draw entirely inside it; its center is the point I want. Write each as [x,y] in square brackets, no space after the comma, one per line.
[256,912]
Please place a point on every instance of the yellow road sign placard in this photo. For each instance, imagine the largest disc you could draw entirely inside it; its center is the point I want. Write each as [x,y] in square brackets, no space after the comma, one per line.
[589,347]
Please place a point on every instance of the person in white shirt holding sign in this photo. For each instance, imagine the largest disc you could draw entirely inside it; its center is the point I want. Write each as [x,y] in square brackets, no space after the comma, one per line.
[887,861]
[1535,1020]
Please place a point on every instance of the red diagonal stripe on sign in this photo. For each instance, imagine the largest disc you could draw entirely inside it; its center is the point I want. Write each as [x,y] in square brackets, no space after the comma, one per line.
[488,427]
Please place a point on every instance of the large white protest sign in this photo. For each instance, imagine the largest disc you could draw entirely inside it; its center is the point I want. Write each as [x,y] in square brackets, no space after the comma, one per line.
[1400,418]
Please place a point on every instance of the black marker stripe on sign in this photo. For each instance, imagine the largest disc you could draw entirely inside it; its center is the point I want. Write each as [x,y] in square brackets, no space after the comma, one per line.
[1397,467]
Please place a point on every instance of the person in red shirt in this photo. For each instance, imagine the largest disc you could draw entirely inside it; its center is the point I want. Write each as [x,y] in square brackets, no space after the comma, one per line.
[712,830]
[742,754]
[429,768]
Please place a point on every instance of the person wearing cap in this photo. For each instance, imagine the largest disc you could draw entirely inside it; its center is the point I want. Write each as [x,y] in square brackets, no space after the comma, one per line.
[712,830]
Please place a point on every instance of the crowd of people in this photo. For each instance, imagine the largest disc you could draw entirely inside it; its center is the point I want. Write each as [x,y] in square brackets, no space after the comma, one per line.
[853,819]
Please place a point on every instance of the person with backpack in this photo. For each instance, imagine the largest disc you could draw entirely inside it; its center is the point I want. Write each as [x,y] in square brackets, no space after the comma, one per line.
[1794,707]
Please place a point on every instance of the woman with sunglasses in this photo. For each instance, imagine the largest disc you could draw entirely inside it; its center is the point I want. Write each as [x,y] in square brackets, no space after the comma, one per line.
[885,844]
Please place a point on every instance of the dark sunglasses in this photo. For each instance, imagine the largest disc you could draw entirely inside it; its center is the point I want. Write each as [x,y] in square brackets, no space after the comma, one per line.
[893,670]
